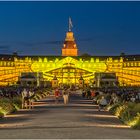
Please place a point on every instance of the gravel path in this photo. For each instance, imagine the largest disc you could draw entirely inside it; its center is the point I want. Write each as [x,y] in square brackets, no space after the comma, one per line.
[78,120]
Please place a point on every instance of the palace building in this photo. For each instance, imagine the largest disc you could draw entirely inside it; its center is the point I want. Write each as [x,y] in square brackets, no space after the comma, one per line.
[69,68]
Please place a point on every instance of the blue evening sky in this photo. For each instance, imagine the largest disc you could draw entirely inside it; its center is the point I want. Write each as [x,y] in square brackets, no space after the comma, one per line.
[100,28]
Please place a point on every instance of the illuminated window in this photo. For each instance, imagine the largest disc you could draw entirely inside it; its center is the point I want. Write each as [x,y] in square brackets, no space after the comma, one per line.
[128,64]
[132,64]
[4,63]
[71,70]
[8,63]
[92,60]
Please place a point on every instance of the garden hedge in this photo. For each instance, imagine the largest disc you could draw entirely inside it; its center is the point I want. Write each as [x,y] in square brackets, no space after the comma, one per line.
[128,112]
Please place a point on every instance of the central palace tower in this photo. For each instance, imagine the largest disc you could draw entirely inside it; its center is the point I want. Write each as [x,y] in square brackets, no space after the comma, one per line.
[69,46]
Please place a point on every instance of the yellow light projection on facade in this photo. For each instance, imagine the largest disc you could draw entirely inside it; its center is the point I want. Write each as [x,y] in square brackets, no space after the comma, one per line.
[68,69]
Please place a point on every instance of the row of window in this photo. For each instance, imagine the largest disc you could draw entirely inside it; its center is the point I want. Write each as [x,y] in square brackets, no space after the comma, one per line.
[6,63]
[11,64]
[132,64]
[126,64]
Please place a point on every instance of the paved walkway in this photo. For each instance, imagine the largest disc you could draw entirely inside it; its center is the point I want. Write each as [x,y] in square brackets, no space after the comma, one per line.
[80,119]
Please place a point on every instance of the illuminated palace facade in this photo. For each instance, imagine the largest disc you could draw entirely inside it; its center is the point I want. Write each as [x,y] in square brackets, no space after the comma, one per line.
[69,67]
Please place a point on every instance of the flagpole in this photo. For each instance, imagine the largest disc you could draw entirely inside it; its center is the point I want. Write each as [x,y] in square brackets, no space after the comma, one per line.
[69,25]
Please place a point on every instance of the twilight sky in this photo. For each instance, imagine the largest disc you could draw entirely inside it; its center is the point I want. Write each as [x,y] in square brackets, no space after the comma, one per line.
[100,28]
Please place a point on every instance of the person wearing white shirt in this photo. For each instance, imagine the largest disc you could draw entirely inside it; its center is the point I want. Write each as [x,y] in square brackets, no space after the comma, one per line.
[24,98]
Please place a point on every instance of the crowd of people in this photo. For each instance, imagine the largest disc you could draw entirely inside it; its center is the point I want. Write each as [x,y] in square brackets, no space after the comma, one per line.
[112,95]
[59,92]
[27,98]
[27,93]
[10,91]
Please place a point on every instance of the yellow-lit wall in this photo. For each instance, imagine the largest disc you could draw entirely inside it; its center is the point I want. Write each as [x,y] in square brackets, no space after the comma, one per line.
[128,72]
[11,70]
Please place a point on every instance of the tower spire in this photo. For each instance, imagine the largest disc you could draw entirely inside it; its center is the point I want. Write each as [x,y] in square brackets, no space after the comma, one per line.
[70,24]
[69,46]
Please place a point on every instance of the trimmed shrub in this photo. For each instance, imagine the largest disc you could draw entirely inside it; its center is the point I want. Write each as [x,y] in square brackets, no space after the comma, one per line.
[38,96]
[17,102]
[35,98]
[113,107]
[6,106]
[137,107]
[131,105]
[135,122]
[129,113]
[1,113]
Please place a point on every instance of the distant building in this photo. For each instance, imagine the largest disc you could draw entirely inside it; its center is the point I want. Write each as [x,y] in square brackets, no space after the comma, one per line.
[34,79]
[70,67]
[105,79]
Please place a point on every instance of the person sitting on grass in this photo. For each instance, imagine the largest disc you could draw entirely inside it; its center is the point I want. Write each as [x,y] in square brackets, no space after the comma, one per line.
[102,103]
